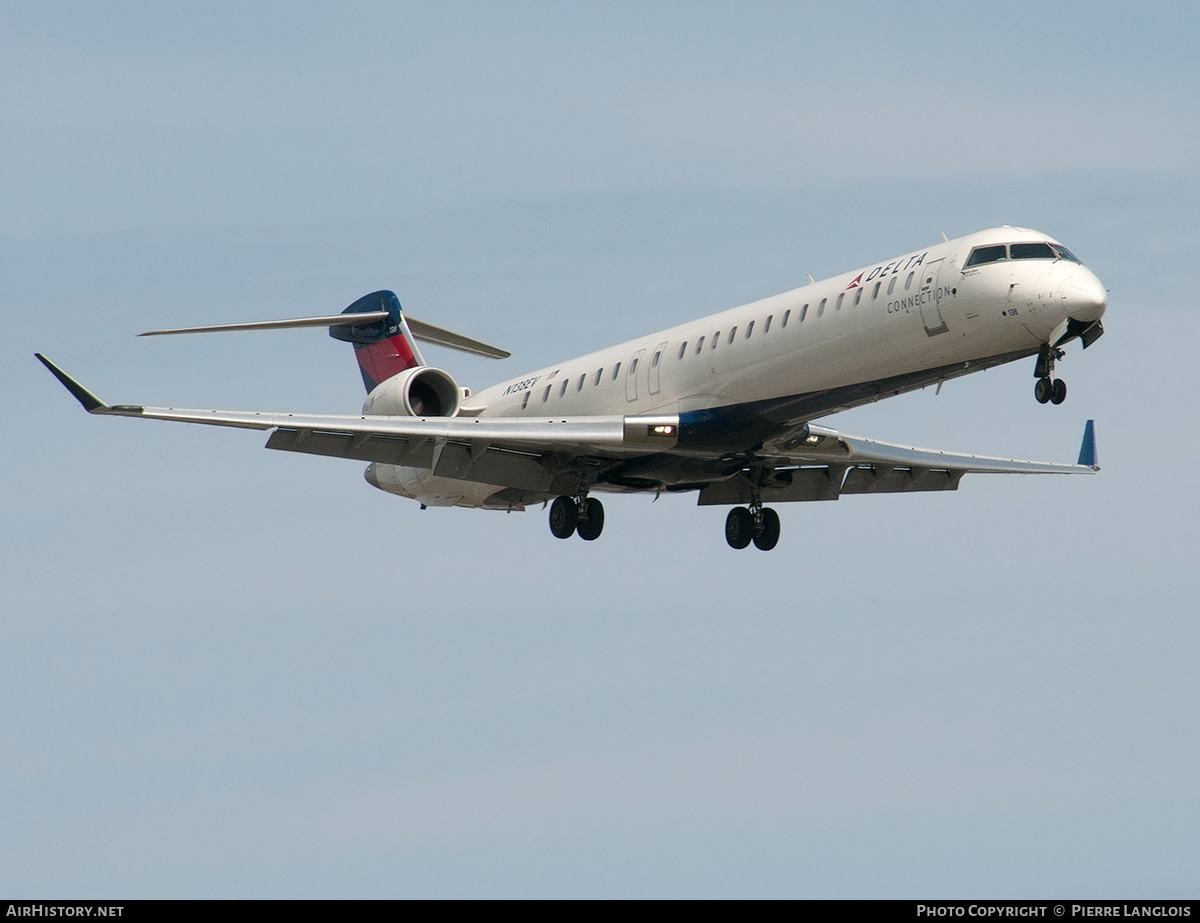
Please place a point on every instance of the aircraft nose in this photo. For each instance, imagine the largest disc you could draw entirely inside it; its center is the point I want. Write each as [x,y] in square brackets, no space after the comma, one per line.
[1085,297]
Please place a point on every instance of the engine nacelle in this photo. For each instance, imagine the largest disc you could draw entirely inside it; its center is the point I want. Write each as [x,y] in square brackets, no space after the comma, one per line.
[419,392]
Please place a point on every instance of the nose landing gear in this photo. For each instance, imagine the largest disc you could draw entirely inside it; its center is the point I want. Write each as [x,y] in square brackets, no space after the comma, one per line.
[1048,389]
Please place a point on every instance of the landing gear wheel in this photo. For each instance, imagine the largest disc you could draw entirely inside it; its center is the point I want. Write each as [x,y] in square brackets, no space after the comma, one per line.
[1058,391]
[589,529]
[1044,390]
[766,536]
[739,527]
[564,514]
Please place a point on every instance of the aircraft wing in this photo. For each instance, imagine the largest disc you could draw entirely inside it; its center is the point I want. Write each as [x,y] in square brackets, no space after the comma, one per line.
[387,438]
[530,453]
[819,444]
[818,463]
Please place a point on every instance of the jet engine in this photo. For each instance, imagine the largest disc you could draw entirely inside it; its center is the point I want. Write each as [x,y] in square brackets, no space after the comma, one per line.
[418,392]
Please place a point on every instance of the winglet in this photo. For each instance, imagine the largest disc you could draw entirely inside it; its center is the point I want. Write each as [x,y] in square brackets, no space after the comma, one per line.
[90,402]
[1087,450]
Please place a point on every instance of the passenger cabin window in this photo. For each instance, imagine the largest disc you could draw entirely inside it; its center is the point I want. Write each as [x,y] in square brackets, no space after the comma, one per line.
[981,255]
[841,298]
[749,329]
[654,361]
[786,315]
[767,324]
[1031,252]
[892,285]
[803,312]
[633,367]
[716,340]
[858,296]
[875,291]
[546,393]
[732,334]
[525,403]
[582,378]
[616,371]
[821,307]
[563,390]
[699,345]
[682,348]
[908,281]
[599,372]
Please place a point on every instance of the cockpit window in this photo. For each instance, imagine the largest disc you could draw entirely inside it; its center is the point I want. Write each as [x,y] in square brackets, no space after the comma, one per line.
[1032,252]
[987,255]
[1036,251]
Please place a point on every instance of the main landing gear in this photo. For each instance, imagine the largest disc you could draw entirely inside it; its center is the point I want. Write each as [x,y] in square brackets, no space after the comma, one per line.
[1048,389]
[754,524]
[584,515]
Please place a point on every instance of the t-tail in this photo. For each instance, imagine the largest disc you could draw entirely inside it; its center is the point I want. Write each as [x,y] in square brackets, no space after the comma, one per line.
[383,346]
[385,341]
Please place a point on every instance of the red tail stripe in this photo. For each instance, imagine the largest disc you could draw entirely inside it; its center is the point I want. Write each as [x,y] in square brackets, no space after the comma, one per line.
[380,361]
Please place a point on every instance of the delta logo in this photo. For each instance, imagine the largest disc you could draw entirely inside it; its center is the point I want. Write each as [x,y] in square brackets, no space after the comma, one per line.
[856,282]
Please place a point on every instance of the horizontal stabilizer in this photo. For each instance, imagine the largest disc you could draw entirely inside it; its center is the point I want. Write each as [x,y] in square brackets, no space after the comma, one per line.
[336,320]
[439,337]
[419,329]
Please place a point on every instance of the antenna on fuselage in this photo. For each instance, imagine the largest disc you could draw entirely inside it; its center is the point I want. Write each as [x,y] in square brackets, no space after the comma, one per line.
[811,280]
[945,239]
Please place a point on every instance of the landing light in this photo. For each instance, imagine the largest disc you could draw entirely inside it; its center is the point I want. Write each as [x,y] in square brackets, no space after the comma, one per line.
[663,430]
[813,439]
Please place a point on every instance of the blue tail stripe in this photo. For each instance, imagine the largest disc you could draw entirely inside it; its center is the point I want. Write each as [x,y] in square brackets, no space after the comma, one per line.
[377,330]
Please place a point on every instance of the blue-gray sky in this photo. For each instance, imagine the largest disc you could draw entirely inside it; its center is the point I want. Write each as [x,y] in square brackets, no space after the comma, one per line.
[232,672]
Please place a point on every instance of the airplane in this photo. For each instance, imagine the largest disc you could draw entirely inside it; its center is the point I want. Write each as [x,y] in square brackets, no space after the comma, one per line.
[725,406]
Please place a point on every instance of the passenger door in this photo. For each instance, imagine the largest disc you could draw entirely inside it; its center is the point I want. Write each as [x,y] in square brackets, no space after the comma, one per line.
[931,313]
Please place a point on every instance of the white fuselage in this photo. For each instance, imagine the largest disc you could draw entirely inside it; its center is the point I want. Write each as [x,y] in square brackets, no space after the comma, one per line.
[917,312]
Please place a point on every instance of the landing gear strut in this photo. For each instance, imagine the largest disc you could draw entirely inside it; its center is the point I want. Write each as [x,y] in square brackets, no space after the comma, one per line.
[1048,388]
[581,514]
[754,524]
